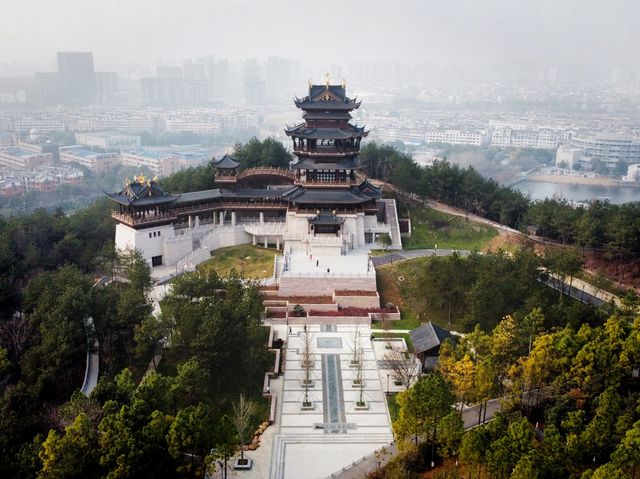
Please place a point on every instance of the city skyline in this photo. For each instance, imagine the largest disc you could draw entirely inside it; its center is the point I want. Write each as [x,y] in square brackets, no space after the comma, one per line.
[462,34]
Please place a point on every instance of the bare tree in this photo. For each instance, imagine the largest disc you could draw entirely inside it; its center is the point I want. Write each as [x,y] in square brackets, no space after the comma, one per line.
[359,381]
[307,365]
[355,347]
[404,367]
[15,334]
[385,324]
[243,412]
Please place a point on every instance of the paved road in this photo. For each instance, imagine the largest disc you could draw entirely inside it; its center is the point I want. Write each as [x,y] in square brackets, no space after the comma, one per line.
[418,253]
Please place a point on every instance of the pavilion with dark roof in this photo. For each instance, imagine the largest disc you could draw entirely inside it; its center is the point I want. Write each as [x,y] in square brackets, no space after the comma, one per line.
[426,343]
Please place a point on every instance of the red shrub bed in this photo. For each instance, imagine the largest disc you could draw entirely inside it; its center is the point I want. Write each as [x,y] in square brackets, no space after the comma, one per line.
[307,299]
[355,292]
[276,314]
[352,311]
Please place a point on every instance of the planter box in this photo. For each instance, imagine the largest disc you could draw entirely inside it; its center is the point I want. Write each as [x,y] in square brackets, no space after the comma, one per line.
[356,385]
[244,466]
[307,407]
[363,407]
[305,383]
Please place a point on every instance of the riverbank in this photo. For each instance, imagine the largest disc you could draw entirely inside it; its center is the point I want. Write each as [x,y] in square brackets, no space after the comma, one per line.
[576,180]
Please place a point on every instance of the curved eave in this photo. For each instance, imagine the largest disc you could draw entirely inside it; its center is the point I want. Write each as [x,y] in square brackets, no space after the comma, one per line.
[327,105]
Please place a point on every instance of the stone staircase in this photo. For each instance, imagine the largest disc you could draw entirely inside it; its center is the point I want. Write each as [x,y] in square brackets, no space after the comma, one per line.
[392,219]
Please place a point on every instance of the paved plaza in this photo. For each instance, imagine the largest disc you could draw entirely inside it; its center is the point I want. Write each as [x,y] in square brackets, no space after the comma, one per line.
[355,263]
[319,442]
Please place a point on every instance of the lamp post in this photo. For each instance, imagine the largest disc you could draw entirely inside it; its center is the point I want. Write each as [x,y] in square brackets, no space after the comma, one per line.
[387,384]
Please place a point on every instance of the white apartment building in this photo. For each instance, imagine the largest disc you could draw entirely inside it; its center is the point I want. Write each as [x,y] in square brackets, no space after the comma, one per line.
[107,140]
[159,163]
[18,159]
[456,137]
[611,149]
[99,163]
[200,127]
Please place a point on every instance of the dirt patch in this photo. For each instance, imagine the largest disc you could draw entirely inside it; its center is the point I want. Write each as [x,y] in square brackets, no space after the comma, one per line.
[505,242]
[388,287]
[624,273]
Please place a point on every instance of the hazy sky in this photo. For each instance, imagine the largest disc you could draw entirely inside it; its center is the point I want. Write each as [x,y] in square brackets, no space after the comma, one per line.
[121,32]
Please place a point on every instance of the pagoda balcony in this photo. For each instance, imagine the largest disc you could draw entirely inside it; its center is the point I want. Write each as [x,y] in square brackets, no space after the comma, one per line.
[147,220]
[225,178]
[327,184]
[326,151]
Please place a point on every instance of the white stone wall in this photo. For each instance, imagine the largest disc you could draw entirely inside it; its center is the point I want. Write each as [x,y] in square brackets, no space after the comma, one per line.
[149,241]
[297,286]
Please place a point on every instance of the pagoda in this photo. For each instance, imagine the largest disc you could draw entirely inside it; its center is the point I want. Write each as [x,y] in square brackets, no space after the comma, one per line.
[326,144]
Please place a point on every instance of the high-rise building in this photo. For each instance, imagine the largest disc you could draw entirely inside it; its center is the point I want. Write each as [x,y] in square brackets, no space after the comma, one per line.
[106,87]
[77,77]
[254,85]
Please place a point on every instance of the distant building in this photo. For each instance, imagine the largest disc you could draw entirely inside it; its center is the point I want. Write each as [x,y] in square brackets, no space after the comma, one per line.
[22,160]
[108,140]
[158,162]
[99,163]
[610,149]
[178,91]
[568,157]
[106,87]
[77,77]
[633,173]
[456,137]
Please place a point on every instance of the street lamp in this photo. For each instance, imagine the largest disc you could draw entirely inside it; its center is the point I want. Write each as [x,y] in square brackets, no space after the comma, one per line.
[387,384]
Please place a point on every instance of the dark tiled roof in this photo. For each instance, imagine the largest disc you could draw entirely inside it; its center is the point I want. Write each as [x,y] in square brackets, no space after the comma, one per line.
[326,219]
[227,161]
[198,196]
[368,189]
[326,133]
[330,196]
[428,336]
[142,192]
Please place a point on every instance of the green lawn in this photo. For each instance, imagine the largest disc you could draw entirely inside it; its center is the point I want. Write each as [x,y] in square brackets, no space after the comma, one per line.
[431,227]
[393,406]
[247,260]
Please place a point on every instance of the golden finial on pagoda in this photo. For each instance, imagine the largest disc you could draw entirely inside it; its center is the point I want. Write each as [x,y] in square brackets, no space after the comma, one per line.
[155,179]
[141,179]
[327,78]
[127,181]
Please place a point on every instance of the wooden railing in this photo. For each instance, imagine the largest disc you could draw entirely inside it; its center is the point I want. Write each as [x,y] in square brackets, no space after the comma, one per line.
[266,171]
[148,219]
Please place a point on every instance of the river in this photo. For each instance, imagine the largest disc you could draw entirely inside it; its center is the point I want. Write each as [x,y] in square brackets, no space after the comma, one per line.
[540,190]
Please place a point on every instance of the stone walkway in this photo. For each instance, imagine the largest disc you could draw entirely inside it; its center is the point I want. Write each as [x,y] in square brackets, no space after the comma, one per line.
[319,442]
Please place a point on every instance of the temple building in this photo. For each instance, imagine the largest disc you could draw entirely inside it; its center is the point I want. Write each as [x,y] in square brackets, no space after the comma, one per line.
[322,207]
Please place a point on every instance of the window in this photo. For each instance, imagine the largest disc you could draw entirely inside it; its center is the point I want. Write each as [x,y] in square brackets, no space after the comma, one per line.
[149,235]
[158,233]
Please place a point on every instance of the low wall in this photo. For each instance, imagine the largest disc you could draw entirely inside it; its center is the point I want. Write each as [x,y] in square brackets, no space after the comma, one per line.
[317,307]
[320,320]
[358,301]
[323,286]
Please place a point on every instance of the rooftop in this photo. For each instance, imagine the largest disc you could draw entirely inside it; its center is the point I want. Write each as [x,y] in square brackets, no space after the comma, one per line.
[428,336]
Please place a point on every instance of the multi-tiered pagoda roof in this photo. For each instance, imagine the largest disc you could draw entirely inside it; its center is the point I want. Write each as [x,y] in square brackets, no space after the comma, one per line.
[326,143]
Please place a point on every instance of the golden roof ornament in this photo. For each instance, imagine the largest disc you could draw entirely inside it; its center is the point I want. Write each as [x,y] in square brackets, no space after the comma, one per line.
[127,181]
[155,179]
[344,83]
[327,79]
